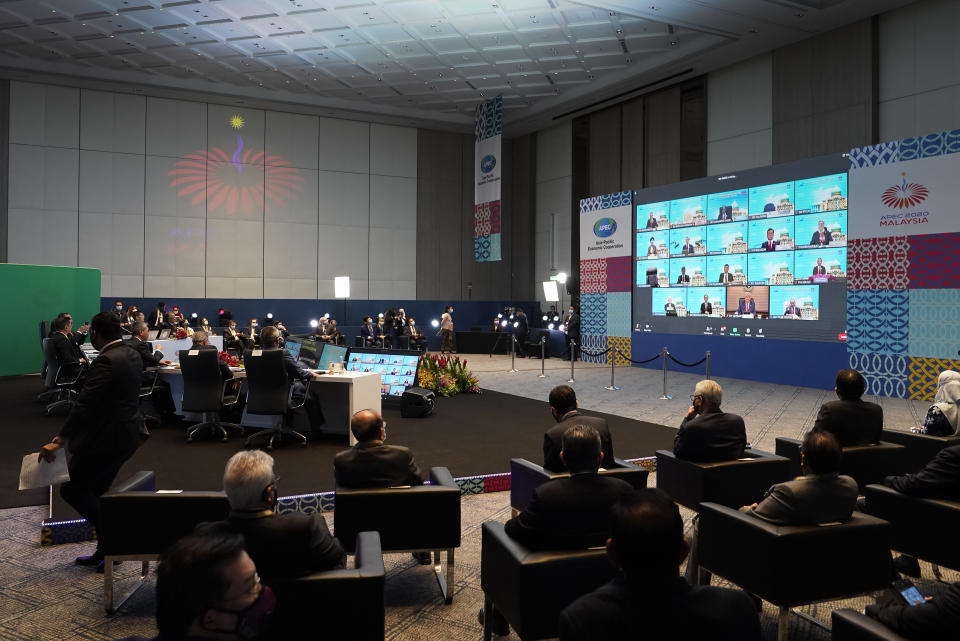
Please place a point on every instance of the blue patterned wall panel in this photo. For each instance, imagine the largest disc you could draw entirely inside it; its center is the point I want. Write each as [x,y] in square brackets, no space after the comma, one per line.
[945,142]
[593,343]
[874,155]
[934,326]
[593,314]
[886,374]
[878,321]
[619,311]
[488,120]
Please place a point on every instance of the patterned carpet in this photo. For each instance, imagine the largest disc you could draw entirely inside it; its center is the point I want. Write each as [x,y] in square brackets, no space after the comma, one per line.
[43,596]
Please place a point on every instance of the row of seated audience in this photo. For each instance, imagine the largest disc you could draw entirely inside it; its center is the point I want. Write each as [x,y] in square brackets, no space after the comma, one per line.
[388,327]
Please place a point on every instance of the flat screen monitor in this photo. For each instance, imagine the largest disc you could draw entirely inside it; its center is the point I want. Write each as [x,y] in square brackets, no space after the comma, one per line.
[331,354]
[293,347]
[397,367]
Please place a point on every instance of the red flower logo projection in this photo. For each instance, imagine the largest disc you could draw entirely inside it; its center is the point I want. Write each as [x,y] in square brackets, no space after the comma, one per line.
[905,194]
[221,181]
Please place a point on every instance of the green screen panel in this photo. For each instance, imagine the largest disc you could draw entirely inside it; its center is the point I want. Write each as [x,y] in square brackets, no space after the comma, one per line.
[32,293]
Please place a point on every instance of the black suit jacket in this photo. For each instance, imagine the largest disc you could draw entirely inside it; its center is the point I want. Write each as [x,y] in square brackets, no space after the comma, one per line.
[147,354]
[677,612]
[683,278]
[939,479]
[374,464]
[769,245]
[369,333]
[293,370]
[706,308]
[856,422]
[155,319]
[935,619]
[815,240]
[711,436]
[725,278]
[819,270]
[106,418]
[553,439]
[572,324]
[568,513]
[283,546]
[68,354]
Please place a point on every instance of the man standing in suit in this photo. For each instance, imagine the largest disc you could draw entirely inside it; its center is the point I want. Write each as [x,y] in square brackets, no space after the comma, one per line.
[725,276]
[769,244]
[706,307]
[792,309]
[707,434]
[563,407]
[819,269]
[157,316]
[646,544]
[571,331]
[852,420]
[284,546]
[747,305]
[683,277]
[371,462]
[105,425]
[821,236]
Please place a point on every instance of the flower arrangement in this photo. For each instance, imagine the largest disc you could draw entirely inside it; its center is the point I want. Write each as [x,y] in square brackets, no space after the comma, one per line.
[446,375]
[229,359]
[181,333]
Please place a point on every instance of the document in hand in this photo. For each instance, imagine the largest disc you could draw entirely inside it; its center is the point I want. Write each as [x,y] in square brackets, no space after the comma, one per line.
[34,474]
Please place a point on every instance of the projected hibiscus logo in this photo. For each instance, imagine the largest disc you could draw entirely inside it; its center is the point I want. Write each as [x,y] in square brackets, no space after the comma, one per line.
[905,194]
[235,182]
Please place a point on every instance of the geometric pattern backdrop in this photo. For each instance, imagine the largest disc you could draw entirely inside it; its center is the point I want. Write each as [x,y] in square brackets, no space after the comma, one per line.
[605,293]
[903,292]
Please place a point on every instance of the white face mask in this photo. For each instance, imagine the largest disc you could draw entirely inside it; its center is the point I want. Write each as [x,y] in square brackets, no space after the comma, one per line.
[119,307]
[253,324]
[412,323]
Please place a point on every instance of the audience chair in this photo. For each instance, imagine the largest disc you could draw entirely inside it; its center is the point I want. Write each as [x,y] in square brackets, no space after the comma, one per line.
[423,518]
[44,328]
[921,448]
[205,392]
[732,483]
[357,590]
[920,526]
[865,463]
[526,476]
[402,342]
[530,589]
[268,393]
[792,565]
[138,523]
[59,385]
[147,386]
[850,625]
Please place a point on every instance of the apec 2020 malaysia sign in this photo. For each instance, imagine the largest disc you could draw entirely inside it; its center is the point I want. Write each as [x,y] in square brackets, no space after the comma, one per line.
[905,198]
[606,233]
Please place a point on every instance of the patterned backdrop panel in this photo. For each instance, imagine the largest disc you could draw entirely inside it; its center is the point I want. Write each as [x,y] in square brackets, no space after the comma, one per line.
[593,343]
[934,330]
[945,142]
[619,311]
[621,343]
[935,261]
[878,321]
[593,313]
[593,276]
[924,373]
[481,248]
[878,263]
[874,155]
[886,374]
[619,274]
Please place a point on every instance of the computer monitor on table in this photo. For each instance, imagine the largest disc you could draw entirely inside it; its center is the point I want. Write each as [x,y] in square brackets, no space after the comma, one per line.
[331,354]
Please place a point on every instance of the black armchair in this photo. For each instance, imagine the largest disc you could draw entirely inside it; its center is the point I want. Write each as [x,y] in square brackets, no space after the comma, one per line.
[837,560]
[850,625]
[865,463]
[732,483]
[269,392]
[59,384]
[921,448]
[918,524]
[138,523]
[205,392]
[526,476]
[530,589]
[357,590]
[388,511]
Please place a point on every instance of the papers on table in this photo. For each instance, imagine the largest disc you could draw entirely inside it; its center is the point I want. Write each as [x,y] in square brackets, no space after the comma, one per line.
[34,474]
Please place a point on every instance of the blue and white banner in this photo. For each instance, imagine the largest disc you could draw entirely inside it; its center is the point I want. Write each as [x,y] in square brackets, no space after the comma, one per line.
[487,167]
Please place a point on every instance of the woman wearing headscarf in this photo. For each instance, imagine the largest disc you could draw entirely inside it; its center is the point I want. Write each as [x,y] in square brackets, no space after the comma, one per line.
[943,417]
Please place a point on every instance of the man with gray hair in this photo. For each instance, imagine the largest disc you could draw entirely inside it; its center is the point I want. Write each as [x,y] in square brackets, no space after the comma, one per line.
[282,545]
[707,434]
[149,356]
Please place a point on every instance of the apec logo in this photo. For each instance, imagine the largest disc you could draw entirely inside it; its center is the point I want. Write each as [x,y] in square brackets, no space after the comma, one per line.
[487,163]
[604,227]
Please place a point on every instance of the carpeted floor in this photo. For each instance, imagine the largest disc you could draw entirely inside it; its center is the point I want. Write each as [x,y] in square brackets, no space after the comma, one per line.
[470,434]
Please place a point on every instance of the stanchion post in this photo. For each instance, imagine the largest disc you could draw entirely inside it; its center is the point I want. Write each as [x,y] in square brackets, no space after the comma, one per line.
[573,346]
[665,396]
[513,353]
[543,356]
[613,364]
[708,364]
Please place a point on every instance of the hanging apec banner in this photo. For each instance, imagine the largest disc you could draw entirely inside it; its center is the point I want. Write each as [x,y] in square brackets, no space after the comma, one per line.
[486,172]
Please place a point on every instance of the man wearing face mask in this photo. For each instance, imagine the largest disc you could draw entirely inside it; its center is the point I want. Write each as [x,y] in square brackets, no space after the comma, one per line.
[368,333]
[571,331]
[118,309]
[232,338]
[417,339]
[104,426]
[208,588]
[252,334]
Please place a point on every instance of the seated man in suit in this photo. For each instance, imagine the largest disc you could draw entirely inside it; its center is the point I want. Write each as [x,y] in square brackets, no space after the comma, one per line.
[937,620]
[330,332]
[706,307]
[687,246]
[821,236]
[707,434]
[296,375]
[571,512]
[747,305]
[368,332]
[769,244]
[202,342]
[563,407]
[417,339]
[208,588]
[669,307]
[252,334]
[282,545]
[371,462]
[149,356]
[725,275]
[233,339]
[852,420]
[792,309]
[683,277]
[726,213]
[67,349]
[646,544]
[651,222]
